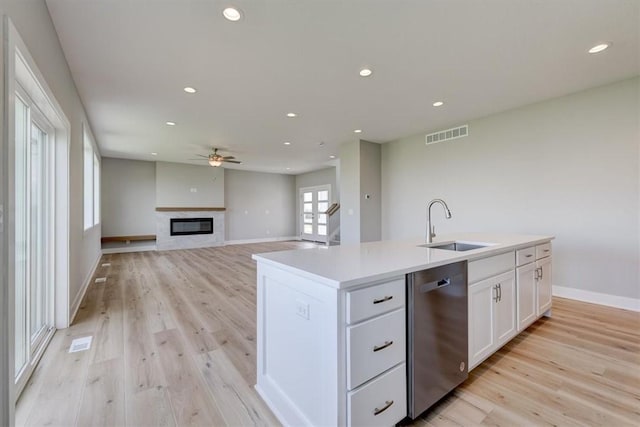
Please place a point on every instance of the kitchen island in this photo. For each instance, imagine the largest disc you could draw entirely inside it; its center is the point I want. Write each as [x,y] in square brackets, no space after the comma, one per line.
[331,322]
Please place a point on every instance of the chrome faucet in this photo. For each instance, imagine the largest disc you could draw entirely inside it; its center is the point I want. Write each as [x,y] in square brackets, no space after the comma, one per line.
[431,229]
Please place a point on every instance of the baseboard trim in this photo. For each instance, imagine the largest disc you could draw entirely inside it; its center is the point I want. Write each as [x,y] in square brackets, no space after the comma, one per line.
[271,239]
[124,250]
[616,301]
[75,306]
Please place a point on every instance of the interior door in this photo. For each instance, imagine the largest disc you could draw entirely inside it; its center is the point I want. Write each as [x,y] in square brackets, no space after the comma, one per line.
[314,202]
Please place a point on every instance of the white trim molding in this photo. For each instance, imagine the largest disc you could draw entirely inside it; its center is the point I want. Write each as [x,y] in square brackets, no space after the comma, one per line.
[270,239]
[616,301]
[75,306]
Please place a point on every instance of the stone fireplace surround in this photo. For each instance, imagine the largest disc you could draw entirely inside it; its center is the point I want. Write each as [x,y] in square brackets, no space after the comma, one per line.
[164,240]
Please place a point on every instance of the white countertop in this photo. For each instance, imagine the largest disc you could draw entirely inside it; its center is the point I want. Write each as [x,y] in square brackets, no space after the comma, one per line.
[349,265]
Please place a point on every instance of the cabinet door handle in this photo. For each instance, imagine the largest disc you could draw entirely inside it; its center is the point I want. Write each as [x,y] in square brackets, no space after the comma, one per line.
[541,272]
[537,274]
[386,406]
[387,298]
[382,347]
[495,296]
[499,291]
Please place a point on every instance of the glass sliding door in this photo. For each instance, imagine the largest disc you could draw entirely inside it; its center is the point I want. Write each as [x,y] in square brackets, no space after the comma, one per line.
[33,236]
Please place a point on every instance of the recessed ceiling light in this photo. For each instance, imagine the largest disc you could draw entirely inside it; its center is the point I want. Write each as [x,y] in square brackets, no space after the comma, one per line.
[288,169]
[286,143]
[365,72]
[332,157]
[438,104]
[171,123]
[599,47]
[357,131]
[154,154]
[190,89]
[232,14]
[292,115]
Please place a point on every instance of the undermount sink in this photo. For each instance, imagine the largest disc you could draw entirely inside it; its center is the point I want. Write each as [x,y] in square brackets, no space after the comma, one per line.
[457,246]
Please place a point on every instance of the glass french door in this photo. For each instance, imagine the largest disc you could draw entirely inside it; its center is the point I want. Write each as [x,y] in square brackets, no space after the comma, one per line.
[314,202]
[33,181]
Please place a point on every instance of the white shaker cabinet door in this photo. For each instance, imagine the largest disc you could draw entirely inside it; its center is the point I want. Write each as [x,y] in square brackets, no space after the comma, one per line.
[527,304]
[544,285]
[505,311]
[481,313]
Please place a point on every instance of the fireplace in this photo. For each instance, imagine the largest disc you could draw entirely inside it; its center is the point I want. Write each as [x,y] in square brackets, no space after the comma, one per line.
[189,226]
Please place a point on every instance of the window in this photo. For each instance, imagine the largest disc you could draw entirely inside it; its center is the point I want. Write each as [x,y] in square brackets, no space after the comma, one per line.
[91,184]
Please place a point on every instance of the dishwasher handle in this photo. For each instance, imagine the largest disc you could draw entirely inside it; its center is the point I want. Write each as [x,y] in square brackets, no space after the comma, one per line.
[436,284]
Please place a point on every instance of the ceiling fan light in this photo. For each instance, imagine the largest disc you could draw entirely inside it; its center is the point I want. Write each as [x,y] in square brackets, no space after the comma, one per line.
[214,162]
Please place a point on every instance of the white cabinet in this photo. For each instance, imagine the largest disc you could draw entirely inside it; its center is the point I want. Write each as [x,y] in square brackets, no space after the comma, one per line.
[374,346]
[543,282]
[381,402]
[492,315]
[527,302]
[533,283]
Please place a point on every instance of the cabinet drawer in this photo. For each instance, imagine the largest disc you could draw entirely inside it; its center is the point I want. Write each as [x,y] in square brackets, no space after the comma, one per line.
[382,402]
[492,266]
[543,250]
[525,256]
[375,346]
[375,300]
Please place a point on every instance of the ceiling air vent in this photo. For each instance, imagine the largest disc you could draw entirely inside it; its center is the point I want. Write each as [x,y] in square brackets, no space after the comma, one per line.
[446,135]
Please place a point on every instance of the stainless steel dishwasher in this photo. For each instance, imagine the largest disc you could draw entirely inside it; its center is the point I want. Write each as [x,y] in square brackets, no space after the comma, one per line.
[437,343]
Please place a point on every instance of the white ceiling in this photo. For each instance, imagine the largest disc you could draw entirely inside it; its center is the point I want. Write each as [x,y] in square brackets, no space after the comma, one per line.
[131,58]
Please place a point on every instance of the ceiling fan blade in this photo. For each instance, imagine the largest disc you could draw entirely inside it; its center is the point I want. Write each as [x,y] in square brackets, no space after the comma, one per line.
[228,157]
[231,161]
[200,155]
[197,159]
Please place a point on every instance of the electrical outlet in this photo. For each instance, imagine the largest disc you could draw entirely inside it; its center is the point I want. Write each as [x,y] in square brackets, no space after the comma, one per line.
[302,309]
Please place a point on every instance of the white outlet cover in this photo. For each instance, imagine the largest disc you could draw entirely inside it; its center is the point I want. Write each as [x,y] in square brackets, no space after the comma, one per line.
[302,309]
[106,264]
[101,279]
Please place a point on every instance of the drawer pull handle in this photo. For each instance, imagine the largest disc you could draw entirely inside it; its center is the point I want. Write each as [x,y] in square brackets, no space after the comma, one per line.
[387,298]
[546,250]
[528,256]
[386,406]
[382,347]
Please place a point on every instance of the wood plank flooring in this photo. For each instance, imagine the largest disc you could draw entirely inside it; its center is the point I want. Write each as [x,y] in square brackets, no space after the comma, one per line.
[174,344]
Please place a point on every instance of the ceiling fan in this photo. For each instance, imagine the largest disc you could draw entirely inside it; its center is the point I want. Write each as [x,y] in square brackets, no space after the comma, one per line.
[216,159]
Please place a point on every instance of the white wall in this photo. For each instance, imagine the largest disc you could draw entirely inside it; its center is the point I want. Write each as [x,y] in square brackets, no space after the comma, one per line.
[175,183]
[128,197]
[350,192]
[370,186]
[32,20]
[259,205]
[566,167]
[360,218]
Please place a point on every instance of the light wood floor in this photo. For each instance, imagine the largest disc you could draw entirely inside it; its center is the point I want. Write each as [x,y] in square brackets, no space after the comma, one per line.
[174,344]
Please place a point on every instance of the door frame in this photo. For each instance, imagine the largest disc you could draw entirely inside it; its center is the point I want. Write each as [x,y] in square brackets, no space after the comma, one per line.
[20,67]
[314,189]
